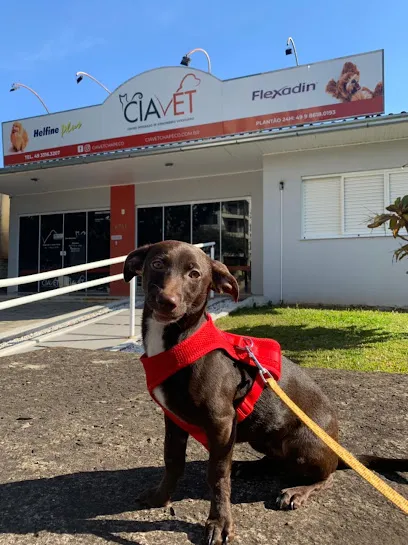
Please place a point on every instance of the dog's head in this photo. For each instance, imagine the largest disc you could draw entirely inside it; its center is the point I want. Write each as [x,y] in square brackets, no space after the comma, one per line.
[348,83]
[177,278]
[17,128]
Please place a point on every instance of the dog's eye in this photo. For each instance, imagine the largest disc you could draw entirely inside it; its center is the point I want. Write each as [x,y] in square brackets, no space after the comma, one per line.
[157,264]
[194,274]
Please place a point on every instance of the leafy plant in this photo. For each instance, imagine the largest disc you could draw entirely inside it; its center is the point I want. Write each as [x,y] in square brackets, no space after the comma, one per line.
[397,220]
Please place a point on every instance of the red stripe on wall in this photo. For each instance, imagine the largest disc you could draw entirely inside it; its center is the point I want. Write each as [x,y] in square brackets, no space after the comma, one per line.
[122,231]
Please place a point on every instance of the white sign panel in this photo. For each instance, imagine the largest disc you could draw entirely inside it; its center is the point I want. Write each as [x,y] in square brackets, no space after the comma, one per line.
[180,104]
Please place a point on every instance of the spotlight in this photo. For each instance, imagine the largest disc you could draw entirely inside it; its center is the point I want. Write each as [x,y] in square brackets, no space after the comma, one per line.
[185,61]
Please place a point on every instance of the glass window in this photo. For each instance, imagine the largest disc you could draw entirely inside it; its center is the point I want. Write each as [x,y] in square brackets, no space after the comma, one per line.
[228,224]
[28,251]
[206,224]
[177,222]
[149,225]
[235,240]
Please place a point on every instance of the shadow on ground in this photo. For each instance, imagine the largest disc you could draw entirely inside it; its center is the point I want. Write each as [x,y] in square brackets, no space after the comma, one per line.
[301,337]
[66,503]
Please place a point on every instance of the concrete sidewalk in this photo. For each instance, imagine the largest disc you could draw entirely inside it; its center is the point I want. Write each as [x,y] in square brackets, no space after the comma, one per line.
[107,332]
[105,327]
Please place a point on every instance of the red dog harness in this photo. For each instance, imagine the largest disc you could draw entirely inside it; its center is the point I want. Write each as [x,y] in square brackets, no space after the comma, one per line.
[206,339]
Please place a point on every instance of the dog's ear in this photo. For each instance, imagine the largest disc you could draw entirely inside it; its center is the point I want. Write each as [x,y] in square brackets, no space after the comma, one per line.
[350,67]
[331,88]
[223,281]
[134,262]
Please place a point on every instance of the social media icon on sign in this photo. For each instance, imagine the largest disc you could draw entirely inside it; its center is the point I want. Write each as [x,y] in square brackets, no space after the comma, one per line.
[80,149]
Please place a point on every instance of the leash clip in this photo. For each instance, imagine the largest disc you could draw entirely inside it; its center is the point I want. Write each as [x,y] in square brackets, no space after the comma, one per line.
[262,370]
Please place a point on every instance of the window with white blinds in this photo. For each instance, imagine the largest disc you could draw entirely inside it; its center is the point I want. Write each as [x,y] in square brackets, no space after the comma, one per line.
[321,207]
[398,185]
[363,199]
[343,205]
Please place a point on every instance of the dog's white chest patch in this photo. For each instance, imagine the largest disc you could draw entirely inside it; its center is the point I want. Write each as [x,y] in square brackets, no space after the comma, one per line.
[160,397]
[154,345]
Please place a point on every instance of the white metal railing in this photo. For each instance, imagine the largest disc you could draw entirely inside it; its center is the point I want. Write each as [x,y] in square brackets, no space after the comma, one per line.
[20,280]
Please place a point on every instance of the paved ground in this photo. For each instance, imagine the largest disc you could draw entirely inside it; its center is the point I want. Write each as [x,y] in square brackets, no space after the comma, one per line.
[80,439]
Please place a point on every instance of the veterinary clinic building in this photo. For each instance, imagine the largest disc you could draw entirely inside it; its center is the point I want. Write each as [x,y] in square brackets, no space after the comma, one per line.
[282,170]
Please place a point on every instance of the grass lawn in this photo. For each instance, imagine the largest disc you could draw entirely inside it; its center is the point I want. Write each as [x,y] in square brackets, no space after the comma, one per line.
[364,340]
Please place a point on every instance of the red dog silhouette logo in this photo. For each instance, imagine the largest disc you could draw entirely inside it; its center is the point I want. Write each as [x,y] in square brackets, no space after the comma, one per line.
[139,109]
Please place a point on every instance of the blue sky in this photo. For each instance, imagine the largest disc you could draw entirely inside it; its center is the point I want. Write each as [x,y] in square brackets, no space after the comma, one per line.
[44,43]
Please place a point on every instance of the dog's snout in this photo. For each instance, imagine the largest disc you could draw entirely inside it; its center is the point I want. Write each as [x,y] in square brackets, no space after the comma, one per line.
[167,301]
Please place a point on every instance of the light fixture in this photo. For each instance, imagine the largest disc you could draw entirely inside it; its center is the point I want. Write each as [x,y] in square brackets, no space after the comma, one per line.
[80,76]
[16,86]
[185,61]
[291,49]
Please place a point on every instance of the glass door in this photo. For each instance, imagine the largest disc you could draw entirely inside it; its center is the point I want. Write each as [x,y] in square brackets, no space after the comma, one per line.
[74,251]
[51,248]
[28,250]
[98,246]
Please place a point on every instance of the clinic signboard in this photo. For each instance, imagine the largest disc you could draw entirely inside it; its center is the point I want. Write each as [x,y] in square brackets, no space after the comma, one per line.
[180,104]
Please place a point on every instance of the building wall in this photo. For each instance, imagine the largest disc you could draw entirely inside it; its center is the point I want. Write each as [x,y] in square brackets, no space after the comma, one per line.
[4,233]
[351,271]
[200,189]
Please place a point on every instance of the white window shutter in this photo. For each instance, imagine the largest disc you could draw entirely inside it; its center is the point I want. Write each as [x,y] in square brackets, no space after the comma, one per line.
[363,199]
[398,185]
[321,207]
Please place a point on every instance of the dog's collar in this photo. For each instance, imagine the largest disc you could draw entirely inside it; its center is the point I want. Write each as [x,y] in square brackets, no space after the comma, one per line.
[205,340]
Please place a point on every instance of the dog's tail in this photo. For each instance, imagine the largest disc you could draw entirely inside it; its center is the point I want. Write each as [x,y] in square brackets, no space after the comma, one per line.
[378,463]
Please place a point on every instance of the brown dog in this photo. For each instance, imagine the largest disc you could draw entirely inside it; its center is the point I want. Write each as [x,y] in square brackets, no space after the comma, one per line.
[347,88]
[177,278]
[18,136]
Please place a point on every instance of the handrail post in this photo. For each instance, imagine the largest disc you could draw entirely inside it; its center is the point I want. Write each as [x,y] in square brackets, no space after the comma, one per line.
[212,255]
[132,308]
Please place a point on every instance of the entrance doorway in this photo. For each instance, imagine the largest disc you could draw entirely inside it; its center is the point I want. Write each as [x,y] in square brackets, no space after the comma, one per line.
[53,241]
[227,223]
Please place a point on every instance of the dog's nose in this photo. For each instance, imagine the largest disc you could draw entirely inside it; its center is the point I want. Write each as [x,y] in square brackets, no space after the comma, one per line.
[167,301]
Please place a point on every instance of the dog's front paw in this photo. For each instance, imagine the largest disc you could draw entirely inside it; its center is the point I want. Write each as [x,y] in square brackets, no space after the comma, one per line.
[154,497]
[219,532]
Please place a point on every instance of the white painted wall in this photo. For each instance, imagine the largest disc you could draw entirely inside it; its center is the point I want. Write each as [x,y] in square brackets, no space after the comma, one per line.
[199,189]
[4,225]
[357,271]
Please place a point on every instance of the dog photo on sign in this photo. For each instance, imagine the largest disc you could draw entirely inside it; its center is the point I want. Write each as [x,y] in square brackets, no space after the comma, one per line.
[18,137]
[347,88]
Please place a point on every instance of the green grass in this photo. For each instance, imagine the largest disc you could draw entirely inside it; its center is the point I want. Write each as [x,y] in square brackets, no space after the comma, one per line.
[363,340]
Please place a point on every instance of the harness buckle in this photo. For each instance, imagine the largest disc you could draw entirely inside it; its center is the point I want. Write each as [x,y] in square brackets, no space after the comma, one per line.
[263,372]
